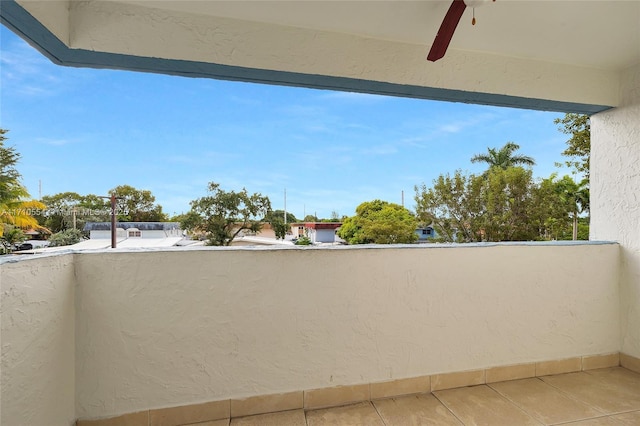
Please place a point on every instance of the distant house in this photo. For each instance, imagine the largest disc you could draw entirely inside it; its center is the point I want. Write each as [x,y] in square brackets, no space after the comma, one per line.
[40,233]
[101,230]
[318,232]
[297,230]
[265,232]
[425,233]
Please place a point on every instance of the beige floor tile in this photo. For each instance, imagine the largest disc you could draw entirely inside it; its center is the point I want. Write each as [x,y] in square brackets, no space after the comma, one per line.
[510,372]
[363,414]
[401,387]
[266,404]
[339,395]
[132,419]
[544,402]
[628,419]
[620,378]
[415,410]
[603,395]
[223,422]
[457,380]
[600,421]
[189,414]
[284,418]
[481,405]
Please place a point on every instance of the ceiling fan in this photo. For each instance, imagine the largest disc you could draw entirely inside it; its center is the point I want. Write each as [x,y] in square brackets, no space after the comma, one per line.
[448,26]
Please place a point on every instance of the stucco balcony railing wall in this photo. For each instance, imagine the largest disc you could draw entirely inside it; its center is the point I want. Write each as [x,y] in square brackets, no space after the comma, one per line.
[88,335]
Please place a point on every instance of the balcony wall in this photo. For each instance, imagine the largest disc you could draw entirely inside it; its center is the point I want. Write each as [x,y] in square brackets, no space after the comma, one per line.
[615,203]
[37,336]
[165,328]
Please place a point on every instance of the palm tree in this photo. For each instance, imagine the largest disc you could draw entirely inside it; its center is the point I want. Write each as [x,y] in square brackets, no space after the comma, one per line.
[11,237]
[503,157]
[576,196]
[19,213]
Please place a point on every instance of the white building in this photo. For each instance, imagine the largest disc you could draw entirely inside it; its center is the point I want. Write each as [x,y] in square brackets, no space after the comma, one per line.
[100,230]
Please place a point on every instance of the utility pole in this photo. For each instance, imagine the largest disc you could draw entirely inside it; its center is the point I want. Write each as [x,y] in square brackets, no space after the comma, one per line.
[403,198]
[113,221]
[113,198]
[285,206]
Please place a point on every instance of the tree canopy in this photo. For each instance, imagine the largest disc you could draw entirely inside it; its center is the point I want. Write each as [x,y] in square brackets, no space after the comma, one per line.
[579,145]
[137,205]
[70,210]
[379,222]
[279,215]
[222,215]
[504,157]
[15,206]
[500,205]
[67,210]
[276,219]
[65,238]
[11,237]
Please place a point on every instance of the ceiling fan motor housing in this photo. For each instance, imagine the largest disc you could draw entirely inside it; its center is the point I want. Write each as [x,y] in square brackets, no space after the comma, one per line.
[476,3]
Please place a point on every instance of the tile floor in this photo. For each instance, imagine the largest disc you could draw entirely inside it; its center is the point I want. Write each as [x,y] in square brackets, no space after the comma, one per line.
[605,397]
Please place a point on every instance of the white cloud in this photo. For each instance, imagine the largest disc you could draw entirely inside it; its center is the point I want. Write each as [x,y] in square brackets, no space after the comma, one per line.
[27,70]
[55,142]
[381,150]
[451,128]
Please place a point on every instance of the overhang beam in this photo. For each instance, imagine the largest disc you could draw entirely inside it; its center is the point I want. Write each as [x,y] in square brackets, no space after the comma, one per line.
[117,35]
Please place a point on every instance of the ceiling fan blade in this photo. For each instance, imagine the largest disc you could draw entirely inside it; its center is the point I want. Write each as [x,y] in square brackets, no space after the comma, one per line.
[447,28]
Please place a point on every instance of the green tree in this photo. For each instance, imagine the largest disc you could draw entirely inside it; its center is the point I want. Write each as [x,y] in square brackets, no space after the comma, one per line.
[453,205]
[310,218]
[379,222]
[222,215]
[557,206]
[137,205]
[276,219]
[279,228]
[335,218]
[279,215]
[69,210]
[507,198]
[59,212]
[504,157]
[11,236]
[303,241]
[575,197]
[549,213]
[495,206]
[579,145]
[15,207]
[65,238]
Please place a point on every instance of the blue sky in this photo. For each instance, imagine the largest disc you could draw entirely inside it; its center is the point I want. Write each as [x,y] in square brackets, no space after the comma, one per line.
[87,130]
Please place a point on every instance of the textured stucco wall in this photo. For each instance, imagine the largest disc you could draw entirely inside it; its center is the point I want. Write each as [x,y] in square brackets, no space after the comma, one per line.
[158,329]
[615,196]
[37,381]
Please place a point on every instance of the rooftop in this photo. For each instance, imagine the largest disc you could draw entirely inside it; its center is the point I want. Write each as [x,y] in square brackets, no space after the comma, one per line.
[142,226]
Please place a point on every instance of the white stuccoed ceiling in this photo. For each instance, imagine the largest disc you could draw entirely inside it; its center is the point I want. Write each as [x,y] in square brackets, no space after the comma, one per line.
[599,34]
[520,53]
